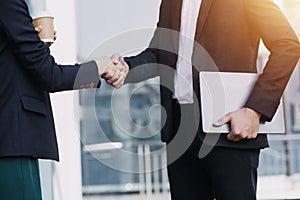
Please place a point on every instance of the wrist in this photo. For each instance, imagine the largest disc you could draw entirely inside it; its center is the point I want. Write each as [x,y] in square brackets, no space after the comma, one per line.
[253,111]
[102,64]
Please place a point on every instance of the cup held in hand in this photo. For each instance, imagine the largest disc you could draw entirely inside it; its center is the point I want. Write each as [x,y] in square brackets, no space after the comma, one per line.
[46,21]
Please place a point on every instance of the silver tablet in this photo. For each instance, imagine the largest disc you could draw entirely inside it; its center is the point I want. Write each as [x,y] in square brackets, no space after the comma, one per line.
[224,92]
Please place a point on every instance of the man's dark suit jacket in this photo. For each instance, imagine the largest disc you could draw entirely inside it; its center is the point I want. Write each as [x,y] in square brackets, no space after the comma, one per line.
[28,73]
[230,32]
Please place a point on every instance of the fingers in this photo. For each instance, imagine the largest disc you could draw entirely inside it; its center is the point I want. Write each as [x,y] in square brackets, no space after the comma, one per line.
[118,83]
[48,43]
[111,70]
[91,85]
[235,135]
[115,58]
[223,120]
[118,79]
[244,124]
[114,69]
[110,79]
[39,28]
[55,35]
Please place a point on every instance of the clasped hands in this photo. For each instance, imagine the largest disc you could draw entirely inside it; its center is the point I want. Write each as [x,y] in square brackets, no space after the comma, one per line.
[114,70]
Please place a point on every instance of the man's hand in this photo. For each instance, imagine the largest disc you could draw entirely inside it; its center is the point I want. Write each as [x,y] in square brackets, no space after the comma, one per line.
[117,59]
[114,73]
[244,124]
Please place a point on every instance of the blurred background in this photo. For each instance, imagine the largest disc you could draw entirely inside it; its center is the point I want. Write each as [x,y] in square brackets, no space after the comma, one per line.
[108,155]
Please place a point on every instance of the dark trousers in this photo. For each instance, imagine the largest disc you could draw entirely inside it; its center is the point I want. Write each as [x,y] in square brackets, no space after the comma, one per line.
[19,179]
[224,174]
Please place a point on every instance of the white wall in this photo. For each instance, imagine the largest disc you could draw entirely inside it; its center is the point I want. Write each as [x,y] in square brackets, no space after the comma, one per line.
[101,20]
[67,172]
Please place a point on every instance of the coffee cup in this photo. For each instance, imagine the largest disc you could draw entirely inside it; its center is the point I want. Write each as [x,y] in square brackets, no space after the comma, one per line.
[46,21]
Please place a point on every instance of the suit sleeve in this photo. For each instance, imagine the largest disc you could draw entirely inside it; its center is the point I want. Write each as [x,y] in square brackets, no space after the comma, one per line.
[34,56]
[144,65]
[278,36]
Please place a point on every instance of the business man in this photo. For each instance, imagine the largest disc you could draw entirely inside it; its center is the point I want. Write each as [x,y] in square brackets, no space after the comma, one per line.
[28,73]
[227,35]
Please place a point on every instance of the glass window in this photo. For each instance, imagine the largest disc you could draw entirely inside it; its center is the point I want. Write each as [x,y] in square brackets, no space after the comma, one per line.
[98,163]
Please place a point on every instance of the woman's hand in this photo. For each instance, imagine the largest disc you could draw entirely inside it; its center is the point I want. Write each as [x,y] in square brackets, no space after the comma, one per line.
[40,28]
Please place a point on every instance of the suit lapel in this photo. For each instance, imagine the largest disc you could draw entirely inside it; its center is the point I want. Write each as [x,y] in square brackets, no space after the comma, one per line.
[176,19]
[204,10]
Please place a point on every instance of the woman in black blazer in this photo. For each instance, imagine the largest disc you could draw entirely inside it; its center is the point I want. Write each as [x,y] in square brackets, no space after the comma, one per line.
[28,74]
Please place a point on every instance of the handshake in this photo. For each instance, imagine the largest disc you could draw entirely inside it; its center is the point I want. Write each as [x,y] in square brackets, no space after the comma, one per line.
[114,70]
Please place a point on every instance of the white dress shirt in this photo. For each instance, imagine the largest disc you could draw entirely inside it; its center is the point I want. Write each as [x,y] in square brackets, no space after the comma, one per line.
[183,81]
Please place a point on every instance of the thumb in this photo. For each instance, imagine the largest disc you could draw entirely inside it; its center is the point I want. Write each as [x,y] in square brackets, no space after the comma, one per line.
[39,28]
[124,64]
[115,58]
[222,121]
